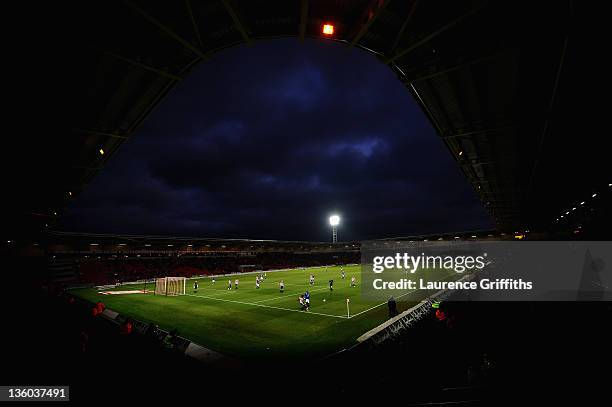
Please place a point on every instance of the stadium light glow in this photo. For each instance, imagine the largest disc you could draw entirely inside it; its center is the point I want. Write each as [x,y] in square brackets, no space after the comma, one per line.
[334,220]
[101,151]
[593,196]
[328,29]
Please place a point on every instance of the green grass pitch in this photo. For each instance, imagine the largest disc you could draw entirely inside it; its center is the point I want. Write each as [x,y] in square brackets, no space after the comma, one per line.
[251,323]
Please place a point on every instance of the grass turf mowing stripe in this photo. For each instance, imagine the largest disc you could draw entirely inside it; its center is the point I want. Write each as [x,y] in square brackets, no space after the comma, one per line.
[266,306]
[285,296]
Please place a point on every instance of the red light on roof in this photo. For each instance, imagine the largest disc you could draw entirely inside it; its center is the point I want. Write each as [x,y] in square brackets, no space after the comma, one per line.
[328,29]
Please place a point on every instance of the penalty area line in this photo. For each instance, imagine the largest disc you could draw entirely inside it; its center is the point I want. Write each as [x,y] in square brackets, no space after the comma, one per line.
[267,306]
[383,303]
[285,296]
[376,306]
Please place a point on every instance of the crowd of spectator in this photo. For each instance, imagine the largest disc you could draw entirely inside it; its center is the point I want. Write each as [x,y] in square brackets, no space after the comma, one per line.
[114,269]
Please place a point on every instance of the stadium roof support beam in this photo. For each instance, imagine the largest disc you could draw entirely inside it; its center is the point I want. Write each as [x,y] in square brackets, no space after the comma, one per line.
[100,133]
[478,132]
[237,22]
[365,27]
[304,5]
[434,34]
[455,67]
[431,117]
[166,30]
[551,105]
[196,29]
[145,66]
[400,33]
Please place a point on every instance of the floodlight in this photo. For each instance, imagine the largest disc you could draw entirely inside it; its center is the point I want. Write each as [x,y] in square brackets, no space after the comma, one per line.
[334,220]
[328,29]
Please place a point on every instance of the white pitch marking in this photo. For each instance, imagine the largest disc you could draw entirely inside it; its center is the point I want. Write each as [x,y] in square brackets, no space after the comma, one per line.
[266,306]
[285,296]
[376,306]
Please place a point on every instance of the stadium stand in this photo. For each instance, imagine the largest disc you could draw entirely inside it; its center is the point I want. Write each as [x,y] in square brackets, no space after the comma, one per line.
[73,260]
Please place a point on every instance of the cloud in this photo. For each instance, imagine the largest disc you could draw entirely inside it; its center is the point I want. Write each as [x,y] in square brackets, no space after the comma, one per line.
[267,148]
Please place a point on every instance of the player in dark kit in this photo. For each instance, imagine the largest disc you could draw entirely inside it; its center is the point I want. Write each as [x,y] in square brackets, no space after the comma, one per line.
[331,285]
[195,287]
[307,301]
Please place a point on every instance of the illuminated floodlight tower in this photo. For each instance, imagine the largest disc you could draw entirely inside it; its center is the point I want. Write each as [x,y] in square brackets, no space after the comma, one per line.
[334,221]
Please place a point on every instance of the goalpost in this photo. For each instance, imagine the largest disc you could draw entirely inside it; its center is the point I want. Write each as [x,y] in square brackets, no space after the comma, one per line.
[170,285]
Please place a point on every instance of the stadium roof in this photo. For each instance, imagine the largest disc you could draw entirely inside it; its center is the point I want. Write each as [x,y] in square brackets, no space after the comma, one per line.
[497,80]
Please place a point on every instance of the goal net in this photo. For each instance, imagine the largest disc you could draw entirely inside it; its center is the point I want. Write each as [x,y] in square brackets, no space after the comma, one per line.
[170,285]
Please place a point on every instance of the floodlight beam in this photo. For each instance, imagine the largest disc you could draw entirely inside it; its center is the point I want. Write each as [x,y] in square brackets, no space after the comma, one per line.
[334,221]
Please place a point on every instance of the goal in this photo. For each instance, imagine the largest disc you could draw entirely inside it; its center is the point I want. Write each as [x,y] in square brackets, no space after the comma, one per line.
[170,286]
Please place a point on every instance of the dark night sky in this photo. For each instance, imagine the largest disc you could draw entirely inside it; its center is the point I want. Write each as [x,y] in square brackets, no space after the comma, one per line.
[265,141]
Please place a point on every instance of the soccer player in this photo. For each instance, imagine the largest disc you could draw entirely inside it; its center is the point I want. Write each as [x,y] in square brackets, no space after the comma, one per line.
[302,302]
[195,286]
[256,281]
[265,275]
[236,284]
[229,284]
[281,285]
[213,280]
[342,274]
[331,285]
[353,281]
[307,301]
[312,278]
